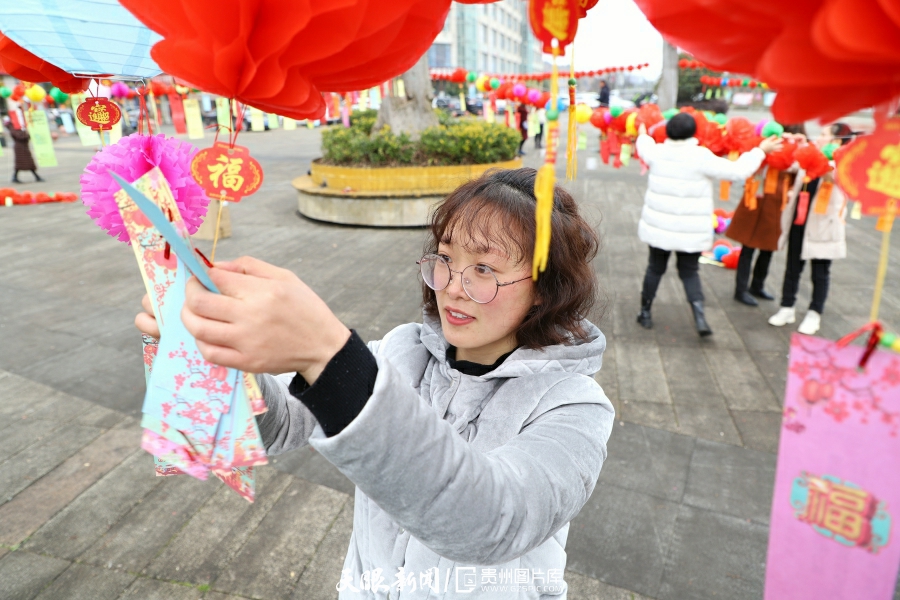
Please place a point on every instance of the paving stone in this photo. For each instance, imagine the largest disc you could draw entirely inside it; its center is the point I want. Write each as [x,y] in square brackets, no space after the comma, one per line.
[217,531]
[773,366]
[83,582]
[759,430]
[271,561]
[640,373]
[321,575]
[714,556]
[98,416]
[586,588]
[622,537]
[64,409]
[40,458]
[707,422]
[37,503]
[21,397]
[90,516]
[139,536]
[308,464]
[153,589]
[651,414]
[689,377]
[739,380]
[648,460]
[23,574]
[730,480]
[26,432]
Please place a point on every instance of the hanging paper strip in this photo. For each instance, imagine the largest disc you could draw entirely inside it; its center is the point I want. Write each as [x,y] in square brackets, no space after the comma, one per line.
[197,417]
[177,109]
[41,140]
[193,119]
[833,531]
[223,114]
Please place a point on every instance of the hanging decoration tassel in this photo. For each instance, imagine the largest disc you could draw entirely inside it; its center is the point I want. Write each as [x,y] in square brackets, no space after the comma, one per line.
[771,185]
[545,181]
[823,197]
[884,225]
[572,141]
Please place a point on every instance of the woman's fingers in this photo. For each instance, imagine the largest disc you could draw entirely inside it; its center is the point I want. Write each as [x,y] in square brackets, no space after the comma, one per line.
[207,330]
[209,305]
[147,324]
[146,305]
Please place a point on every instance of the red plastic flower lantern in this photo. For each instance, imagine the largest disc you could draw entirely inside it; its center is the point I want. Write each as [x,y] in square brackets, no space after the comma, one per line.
[279,57]
[554,19]
[812,161]
[22,64]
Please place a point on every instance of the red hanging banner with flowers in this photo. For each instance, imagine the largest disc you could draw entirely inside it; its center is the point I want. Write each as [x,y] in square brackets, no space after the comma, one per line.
[100,114]
[226,172]
[554,19]
[868,169]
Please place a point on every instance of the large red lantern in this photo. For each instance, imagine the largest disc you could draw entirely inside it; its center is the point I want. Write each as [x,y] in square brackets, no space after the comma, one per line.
[226,172]
[803,48]
[279,56]
[554,19]
[22,64]
[867,169]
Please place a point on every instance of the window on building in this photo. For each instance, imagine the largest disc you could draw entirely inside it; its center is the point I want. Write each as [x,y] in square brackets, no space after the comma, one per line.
[484,33]
[439,56]
[495,38]
[484,61]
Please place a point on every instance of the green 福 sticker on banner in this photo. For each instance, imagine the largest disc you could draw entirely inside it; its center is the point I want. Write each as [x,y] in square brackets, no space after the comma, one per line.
[257,120]
[223,114]
[273,121]
[193,118]
[41,141]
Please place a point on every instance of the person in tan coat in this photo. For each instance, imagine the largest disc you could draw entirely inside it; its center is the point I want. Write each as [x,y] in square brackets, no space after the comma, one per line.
[757,227]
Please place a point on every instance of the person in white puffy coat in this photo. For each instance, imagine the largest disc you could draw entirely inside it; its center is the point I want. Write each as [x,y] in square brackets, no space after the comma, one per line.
[678,206]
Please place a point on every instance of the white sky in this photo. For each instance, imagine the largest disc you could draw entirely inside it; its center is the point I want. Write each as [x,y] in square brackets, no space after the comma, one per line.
[615,33]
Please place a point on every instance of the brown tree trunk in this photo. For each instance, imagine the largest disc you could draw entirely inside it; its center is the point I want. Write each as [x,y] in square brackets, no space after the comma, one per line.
[412,113]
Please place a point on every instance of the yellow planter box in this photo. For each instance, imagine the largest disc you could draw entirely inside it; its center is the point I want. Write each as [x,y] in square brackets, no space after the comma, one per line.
[398,181]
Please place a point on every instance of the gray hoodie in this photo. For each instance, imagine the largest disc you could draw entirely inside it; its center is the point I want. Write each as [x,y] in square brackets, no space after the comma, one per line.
[465,485]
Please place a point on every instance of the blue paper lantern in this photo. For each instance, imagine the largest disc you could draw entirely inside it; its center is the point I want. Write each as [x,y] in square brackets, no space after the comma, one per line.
[89,37]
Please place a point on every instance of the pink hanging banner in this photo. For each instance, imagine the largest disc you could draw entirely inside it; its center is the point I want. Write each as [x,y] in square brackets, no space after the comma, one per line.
[837,486]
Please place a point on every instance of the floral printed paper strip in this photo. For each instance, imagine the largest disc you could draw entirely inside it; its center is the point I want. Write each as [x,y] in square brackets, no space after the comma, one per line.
[198,417]
[833,531]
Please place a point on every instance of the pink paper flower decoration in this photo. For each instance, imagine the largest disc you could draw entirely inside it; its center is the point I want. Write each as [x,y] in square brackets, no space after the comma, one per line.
[131,158]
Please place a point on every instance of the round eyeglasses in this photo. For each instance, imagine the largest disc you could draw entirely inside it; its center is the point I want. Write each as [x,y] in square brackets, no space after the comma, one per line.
[478,281]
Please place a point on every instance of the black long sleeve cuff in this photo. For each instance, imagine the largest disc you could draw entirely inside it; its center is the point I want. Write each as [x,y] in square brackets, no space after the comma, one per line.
[343,388]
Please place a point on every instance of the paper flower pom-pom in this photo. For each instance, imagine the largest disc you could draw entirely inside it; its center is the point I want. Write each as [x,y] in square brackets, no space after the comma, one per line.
[812,161]
[131,158]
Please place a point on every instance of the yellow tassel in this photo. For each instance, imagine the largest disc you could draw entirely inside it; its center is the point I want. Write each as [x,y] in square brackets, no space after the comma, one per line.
[545,183]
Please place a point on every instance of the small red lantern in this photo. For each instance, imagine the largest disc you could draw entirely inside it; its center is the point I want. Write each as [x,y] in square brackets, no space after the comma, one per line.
[226,172]
[554,19]
[100,114]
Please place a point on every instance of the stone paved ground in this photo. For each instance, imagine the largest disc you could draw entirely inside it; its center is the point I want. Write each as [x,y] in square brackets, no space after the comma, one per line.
[681,510]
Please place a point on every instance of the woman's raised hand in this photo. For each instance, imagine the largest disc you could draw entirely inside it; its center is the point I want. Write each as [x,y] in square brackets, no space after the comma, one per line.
[266,320]
[771,144]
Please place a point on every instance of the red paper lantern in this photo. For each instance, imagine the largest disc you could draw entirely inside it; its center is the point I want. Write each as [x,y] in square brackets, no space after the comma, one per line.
[226,172]
[804,49]
[22,64]
[584,6]
[279,56]
[551,19]
[683,63]
[100,114]
[864,168]
[812,161]
[784,158]
[18,92]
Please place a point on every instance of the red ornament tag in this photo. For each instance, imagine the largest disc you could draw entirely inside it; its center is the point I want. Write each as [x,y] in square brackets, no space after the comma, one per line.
[802,208]
[554,19]
[226,173]
[100,114]
[868,169]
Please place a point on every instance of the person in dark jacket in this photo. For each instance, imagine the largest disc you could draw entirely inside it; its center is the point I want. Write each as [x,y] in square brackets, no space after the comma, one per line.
[24,160]
[759,229]
[522,113]
[603,97]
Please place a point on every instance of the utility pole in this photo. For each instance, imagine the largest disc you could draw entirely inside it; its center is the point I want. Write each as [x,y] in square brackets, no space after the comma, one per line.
[668,81]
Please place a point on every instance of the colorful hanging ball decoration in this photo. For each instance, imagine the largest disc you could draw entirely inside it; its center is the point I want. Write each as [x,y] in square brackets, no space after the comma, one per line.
[534,96]
[5,92]
[36,93]
[471,77]
[131,158]
[495,83]
[119,90]
[615,111]
[772,128]
[720,118]
[519,90]
[57,94]
[759,127]
[828,150]
[583,113]
[668,114]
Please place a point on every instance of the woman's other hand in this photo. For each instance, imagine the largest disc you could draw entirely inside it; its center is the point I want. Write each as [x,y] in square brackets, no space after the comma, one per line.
[266,320]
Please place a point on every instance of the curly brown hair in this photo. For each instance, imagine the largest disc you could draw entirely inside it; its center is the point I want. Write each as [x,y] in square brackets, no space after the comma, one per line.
[502,200]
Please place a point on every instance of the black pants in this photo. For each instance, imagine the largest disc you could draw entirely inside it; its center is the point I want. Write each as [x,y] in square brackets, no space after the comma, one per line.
[688,271]
[745,265]
[539,136]
[33,172]
[821,273]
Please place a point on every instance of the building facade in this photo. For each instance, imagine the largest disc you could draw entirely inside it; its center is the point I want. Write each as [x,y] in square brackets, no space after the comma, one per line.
[487,38]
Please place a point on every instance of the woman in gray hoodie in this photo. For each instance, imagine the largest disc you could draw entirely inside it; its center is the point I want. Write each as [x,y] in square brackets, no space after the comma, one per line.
[473,438]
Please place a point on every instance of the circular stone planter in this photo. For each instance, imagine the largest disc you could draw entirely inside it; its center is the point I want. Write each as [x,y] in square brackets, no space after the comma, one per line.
[382,197]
